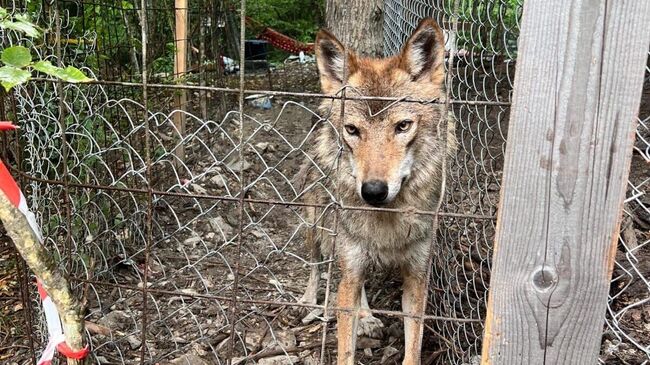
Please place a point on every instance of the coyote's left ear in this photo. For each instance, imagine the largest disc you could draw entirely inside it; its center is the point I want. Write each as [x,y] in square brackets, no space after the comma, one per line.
[423,54]
[334,62]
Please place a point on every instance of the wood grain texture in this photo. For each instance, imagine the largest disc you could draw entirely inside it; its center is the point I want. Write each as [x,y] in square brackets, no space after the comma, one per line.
[180,70]
[577,89]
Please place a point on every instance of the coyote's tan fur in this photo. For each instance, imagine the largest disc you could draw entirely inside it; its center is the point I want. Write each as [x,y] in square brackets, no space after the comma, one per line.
[393,156]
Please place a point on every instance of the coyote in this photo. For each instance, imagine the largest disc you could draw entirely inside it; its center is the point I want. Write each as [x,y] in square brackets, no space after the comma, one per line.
[380,154]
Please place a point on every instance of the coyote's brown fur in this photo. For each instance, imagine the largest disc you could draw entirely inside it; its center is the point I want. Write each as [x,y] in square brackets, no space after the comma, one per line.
[383,154]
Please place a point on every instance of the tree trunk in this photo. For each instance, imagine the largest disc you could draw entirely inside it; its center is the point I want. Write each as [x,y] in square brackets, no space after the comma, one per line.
[358,24]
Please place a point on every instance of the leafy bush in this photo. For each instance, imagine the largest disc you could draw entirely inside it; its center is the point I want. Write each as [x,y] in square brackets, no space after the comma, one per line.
[17,61]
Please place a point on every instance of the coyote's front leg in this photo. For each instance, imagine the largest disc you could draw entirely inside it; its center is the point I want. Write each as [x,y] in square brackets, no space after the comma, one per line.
[413,303]
[348,296]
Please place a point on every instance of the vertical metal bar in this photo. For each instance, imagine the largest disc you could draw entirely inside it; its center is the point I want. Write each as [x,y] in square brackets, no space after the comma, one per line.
[202,93]
[242,191]
[149,218]
[23,279]
[64,144]
[180,72]
[337,209]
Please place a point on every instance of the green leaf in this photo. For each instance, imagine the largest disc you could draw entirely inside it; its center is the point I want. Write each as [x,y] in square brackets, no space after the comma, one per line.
[21,24]
[3,12]
[47,67]
[72,74]
[11,76]
[17,56]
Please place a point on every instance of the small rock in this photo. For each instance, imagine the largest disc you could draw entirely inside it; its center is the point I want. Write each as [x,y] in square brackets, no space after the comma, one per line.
[238,165]
[238,361]
[367,352]
[199,189]
[257,234]
[262,146]
[220,225]
[253,338]
[115,320]
[218,180]
[180,340]
[312,316]
[388,352]
[188,359]
[368,343]
[192,241]
[134,342]
[283,339]
[278,360]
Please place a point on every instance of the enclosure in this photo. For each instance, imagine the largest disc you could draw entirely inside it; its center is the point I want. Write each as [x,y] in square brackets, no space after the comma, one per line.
[180,225]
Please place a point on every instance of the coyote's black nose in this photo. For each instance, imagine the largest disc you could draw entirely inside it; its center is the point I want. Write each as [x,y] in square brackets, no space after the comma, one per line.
[374,191]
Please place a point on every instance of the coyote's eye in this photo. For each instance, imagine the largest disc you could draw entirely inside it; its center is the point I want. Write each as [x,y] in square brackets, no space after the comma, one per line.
[403,126]
[351,130]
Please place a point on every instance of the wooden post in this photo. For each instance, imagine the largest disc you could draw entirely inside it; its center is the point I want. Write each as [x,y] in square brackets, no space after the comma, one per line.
[577,89]
[180,68]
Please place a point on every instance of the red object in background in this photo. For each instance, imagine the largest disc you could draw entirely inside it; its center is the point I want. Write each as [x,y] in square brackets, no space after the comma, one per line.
[284,42]
[8,186]
[6,126]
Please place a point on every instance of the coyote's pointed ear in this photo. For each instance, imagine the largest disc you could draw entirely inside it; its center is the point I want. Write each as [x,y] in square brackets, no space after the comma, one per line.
[423,54]
[330,56]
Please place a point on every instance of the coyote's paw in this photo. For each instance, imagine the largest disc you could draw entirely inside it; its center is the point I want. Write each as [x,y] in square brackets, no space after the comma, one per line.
[370,326]
[306,312]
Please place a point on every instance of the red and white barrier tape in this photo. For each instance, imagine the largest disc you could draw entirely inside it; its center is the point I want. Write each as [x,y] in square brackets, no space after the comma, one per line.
[55,331]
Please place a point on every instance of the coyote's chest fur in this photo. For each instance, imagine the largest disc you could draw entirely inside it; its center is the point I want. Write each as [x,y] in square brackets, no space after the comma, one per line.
[373,153]
[386,238]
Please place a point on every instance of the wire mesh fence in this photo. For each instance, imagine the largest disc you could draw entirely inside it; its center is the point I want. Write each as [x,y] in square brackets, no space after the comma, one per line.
[199,257]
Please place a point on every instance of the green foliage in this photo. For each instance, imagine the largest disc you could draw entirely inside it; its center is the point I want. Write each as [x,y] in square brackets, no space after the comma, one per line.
[113,40]
[500,24]
[17,60]
[299,19]
[20,23]
[165,63]
[17,56]
[11,76]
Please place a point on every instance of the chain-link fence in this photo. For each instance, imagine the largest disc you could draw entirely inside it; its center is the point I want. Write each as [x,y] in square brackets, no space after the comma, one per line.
[481,42]
[199,257]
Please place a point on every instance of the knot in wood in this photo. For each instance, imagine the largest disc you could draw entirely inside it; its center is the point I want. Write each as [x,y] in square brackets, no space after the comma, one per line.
[545,278]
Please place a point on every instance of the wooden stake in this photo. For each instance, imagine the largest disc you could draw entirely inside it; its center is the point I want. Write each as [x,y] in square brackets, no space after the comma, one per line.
[180,69]
[566,170]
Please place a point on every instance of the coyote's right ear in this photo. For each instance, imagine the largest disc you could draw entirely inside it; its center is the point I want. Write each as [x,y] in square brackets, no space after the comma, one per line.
[423,54]
[334,63]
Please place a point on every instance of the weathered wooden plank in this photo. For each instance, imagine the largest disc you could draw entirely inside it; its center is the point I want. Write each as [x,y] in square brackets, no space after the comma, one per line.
[577,90]
[180,70]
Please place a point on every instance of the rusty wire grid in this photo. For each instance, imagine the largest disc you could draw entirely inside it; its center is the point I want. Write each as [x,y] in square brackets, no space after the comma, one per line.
[200,259]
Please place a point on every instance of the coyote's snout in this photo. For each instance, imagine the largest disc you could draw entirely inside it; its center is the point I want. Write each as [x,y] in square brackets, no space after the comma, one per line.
[384,153]
[381,156]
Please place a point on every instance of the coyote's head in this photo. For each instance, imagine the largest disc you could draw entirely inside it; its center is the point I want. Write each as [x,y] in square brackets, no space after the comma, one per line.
[383,139]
